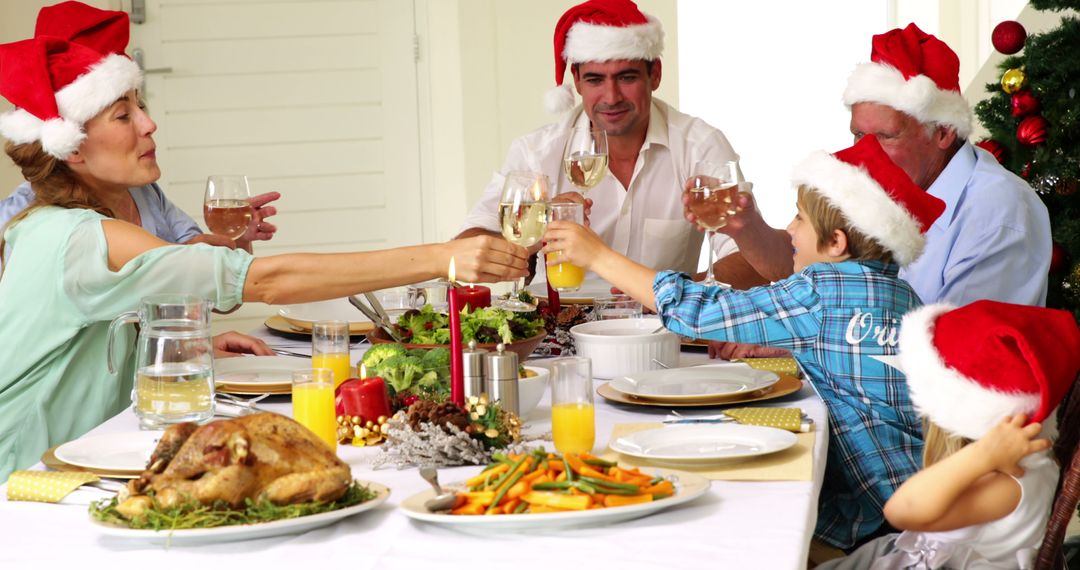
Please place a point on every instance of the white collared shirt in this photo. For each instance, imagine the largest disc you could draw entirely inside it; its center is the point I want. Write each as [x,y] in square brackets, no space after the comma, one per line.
[643,222]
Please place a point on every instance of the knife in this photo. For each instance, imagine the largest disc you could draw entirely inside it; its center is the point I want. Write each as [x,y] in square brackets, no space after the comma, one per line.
[379,320]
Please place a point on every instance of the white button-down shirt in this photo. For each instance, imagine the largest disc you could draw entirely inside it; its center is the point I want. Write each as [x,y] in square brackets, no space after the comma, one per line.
[643,222]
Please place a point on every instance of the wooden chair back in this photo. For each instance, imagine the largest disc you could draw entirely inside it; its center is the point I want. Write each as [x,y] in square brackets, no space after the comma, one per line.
[1068,491]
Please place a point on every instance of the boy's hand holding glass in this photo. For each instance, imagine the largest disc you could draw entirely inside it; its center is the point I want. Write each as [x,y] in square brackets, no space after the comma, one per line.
[567,242]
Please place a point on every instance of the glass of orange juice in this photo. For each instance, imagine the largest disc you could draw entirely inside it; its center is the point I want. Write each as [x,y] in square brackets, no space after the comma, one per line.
[313,403]
[330,349]
[566,276]
[573,417]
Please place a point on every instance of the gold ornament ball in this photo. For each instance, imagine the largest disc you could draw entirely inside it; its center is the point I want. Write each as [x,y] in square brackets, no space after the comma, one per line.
[1013,80]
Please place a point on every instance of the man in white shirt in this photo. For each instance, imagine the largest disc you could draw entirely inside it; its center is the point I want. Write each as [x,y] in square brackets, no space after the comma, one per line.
[614,51]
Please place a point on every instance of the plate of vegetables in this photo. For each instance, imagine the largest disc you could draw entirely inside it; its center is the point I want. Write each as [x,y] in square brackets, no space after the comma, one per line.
[546,490]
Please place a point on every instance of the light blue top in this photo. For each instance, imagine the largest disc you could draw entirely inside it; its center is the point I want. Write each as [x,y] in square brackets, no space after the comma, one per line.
[57,296]
[992,241]
[159,216]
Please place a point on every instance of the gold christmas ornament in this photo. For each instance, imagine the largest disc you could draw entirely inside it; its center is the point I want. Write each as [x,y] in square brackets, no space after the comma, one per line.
[1013,80]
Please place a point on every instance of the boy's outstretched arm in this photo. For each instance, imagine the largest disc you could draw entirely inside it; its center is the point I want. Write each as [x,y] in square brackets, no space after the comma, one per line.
[572,243]
[972,486]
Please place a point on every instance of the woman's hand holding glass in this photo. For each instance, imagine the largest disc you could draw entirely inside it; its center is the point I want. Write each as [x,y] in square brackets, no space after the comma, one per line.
[523,215]
[485,259]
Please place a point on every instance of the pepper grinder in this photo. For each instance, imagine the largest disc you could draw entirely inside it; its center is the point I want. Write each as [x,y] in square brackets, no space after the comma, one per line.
[501,370]
[472,365]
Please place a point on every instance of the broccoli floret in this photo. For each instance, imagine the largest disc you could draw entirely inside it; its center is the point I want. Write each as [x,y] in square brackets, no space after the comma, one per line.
[380,352]
[400,371]
[436,358]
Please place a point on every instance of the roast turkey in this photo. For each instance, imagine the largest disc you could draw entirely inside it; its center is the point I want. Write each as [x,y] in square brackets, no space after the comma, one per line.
[261,455]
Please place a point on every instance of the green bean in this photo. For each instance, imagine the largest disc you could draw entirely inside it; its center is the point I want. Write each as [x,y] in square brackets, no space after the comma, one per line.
[599,462]
[505,488]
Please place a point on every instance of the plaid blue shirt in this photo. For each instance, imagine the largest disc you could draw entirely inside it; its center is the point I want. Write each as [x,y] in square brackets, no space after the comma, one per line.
[833,317]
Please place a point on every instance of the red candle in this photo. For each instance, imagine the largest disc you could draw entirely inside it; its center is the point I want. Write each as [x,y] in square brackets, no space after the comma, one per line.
[457,372]
[475,296]
[553,299]
[367,398]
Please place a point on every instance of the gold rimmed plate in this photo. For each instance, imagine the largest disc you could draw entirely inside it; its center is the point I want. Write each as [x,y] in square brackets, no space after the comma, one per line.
[281,324]
[786,385]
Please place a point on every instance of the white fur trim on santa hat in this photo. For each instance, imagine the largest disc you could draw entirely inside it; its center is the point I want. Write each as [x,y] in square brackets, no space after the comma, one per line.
[951,400]
[559,98]
[919,96]
[20,127]
[595,42]
[61,137]
[101,86]
[864,203]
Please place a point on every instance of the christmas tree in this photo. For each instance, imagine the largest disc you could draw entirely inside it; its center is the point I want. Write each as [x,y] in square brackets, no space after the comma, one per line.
[1033,116]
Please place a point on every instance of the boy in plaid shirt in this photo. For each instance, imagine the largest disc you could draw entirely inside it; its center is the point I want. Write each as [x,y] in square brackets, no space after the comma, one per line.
[860,217]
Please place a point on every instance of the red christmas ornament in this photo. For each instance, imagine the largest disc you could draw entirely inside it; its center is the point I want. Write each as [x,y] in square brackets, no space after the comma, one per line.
[1058,257]
[1024,104]
[1008,37]
[1032,131]
[993,147]
[1025,172]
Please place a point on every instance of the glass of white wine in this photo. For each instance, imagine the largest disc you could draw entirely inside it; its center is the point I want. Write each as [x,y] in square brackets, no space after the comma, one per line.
[712,200]
[523,214]
[227,205]
[585,158]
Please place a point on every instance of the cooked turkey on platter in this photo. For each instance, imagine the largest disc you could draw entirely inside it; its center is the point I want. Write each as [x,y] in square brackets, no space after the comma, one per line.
[261,455]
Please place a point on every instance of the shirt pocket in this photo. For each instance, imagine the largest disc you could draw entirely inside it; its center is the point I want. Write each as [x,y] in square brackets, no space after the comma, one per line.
[664,245]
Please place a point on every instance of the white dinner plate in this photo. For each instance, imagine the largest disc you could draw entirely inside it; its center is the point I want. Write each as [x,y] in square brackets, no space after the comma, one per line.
[688,486]
[258,371]
[306,314]
[694,445]
[245,531]
[590,289]
[708,382]
[124,451]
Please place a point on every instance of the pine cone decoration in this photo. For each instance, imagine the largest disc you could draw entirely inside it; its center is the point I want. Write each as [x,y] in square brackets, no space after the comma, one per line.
[439,414]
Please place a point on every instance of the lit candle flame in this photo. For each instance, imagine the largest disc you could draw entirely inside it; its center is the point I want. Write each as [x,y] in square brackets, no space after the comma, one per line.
[451,272]
[363,370]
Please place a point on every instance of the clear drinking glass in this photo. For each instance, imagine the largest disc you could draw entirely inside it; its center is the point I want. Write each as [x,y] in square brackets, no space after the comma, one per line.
[227,205]
[174,360]
[313,403]
[330,349]
[573,417]
[712,200]
[566,276]
[523,214]
[616,307]
[585,157]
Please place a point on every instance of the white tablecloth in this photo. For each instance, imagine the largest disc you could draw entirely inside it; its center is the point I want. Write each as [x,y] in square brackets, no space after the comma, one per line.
[764,525]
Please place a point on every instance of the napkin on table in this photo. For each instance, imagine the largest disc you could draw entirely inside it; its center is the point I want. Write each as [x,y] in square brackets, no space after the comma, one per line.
[46,486]
[790,419]
[778,365]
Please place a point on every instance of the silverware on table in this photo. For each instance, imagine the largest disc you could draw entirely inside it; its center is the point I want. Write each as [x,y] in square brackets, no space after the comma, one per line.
[284,352]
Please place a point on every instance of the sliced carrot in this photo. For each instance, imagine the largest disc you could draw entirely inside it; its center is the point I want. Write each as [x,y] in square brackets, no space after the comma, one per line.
[663,487]
[469,509]
[620,500]
[490,473]
[519,489]
[510,506]
[558,500]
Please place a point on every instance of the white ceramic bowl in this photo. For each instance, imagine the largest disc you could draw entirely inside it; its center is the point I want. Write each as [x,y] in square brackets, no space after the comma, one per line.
[531,390]
[619,347]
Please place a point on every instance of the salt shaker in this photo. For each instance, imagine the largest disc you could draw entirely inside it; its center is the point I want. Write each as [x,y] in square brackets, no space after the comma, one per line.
[472,365]
[501,370]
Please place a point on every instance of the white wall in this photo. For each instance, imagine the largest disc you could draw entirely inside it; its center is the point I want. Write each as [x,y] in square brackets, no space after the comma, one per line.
[773,84]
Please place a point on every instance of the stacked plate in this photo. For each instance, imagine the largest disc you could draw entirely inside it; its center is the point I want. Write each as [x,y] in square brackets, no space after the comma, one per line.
[708,385]
[250,375]
[299,318]
[700,445]
[117,455]
[590,290]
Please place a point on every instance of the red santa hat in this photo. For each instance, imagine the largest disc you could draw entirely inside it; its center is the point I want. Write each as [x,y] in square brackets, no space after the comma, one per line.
[913,72]
[600,30]
[969,368]
[875,195]
[71,70]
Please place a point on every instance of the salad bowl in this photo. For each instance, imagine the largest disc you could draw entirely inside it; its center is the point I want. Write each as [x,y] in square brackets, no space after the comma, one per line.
[522,347]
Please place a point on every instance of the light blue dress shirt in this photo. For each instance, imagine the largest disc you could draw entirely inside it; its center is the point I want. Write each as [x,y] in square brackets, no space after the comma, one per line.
[992,241]
[159,216]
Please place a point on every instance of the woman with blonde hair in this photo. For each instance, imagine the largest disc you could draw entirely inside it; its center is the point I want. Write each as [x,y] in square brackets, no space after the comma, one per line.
[80,136]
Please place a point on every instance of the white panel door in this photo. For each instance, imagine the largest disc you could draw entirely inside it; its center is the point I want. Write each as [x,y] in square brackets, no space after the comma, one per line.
[316,99]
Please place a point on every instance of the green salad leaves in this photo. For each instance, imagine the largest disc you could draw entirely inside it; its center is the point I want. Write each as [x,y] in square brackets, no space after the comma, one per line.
[488,325]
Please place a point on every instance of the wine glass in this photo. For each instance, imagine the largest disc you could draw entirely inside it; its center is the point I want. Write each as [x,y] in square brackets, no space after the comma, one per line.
[227,205]
[712,200]
[523,214]
[585,158]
